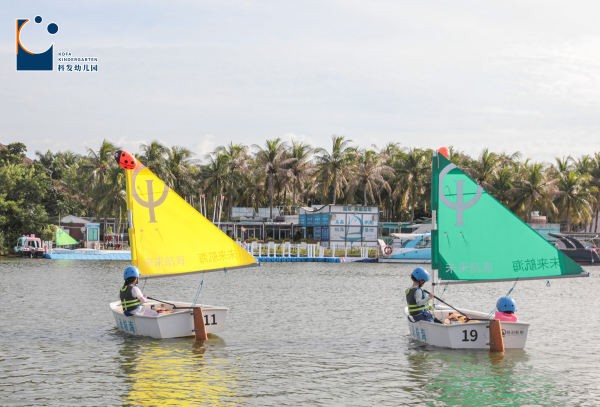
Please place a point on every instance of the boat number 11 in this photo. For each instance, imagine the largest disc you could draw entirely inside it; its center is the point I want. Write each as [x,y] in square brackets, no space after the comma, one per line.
[210,319]
[469,336]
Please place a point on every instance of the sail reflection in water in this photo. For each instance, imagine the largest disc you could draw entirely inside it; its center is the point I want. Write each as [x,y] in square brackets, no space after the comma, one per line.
[470,378]
[176,372]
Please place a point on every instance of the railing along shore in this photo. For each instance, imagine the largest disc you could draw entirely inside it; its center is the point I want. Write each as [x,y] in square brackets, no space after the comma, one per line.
[307,250]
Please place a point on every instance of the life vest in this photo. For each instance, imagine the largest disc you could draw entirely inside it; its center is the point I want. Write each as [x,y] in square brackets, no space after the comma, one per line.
[505,316]
[128,301]
[413,308]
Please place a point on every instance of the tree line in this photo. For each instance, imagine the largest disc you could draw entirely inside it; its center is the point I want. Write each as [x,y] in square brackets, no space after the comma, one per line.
[36,193]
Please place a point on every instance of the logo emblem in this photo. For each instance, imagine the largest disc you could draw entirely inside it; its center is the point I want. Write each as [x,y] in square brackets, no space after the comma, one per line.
[150,203]
[460,205]
[31,61]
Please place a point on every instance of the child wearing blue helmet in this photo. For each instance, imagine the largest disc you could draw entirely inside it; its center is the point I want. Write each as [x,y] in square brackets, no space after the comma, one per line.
[418,298]
[132,298]
[506,308]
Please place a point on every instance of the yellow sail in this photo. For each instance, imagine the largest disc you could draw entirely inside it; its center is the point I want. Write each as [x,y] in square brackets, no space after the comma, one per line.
[167,235]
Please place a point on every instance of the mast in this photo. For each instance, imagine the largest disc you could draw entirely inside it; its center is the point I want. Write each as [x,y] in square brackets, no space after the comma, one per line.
[131,229]
[434,223]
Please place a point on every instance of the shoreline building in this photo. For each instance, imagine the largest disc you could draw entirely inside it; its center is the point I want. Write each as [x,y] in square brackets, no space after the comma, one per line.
[341,224]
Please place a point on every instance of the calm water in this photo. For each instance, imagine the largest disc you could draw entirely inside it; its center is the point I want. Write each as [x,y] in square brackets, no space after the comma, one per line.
[310,334]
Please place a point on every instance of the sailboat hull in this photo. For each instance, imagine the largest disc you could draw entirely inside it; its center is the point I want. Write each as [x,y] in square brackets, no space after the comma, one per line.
[412,256]
[474,334]
[407,248]
[170,322]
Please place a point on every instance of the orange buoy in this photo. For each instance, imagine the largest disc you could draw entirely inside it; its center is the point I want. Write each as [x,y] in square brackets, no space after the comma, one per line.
[199,328]
[444,151]
[496,339]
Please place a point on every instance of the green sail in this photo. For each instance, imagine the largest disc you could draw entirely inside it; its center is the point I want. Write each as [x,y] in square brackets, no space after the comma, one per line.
[63,238]
[478,239]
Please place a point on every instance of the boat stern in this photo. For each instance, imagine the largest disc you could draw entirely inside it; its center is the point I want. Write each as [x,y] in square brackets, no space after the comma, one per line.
[474,334]
[169,322]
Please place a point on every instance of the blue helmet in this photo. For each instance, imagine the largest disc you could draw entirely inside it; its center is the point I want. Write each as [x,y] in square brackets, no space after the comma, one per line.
[131,271]
[420,274]
[506,304]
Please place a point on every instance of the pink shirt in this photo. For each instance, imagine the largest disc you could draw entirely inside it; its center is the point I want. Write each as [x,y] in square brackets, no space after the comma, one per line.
[503,316]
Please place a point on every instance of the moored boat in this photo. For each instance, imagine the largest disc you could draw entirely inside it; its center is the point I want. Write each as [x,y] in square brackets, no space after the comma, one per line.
[30,246]
[576,249]
[406,248]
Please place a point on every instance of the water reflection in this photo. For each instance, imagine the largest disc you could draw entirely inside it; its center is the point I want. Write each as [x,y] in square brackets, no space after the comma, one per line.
[478,378]
[179,372]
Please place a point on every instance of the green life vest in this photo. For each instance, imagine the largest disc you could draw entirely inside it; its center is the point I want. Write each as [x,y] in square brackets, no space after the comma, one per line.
[128,301]
[413,308]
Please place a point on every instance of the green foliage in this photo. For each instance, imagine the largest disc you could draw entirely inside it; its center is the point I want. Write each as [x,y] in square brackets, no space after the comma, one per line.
[397,179]
[21,201]
[3,244]
[47,233]
[14,153]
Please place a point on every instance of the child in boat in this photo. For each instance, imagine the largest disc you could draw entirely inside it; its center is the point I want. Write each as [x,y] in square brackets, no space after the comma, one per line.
[506,308]
[132,298]
[417,298]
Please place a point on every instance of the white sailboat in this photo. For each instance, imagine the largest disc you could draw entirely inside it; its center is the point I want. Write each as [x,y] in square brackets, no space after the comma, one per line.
[476,239]
[158,219]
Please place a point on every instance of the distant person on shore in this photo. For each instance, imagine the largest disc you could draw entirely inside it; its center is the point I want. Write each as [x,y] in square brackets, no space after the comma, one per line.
[417,298]
[506,308]
[132,298]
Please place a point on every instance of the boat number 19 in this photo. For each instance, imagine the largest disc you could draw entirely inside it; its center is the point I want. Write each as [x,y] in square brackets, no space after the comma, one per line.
[210,319]
[469,335]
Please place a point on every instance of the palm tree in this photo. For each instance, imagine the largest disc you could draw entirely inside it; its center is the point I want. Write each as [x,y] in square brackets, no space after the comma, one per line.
[214,175]
[503,184]
[388,154]
[575,198]
[594,172]
[101,162]
[564,164]
[413,172]
[155,158]
[273,160]
[485,169]
[47,161]
[371,175]
[301,169]
[533,190]
[179,170]
[111,196]
[590,167]
[237,163]
[336,168]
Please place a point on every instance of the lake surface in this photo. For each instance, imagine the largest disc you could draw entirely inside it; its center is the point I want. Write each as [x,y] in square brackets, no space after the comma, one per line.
[299,334]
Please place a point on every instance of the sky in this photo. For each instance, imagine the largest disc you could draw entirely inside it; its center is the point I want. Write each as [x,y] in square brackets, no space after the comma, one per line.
[511,76]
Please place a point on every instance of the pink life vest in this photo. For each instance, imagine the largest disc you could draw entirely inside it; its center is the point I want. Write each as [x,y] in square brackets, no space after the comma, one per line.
[504,316]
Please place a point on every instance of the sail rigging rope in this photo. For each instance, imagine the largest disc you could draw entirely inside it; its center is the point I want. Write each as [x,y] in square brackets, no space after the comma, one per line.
[197,296]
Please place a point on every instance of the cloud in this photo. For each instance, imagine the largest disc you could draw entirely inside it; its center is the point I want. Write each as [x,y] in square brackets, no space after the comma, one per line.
[507,76]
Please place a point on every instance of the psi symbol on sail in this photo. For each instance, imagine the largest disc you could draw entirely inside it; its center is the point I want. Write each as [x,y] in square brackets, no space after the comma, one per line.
[460,205]
[150,203]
